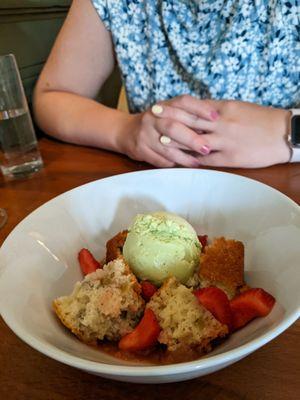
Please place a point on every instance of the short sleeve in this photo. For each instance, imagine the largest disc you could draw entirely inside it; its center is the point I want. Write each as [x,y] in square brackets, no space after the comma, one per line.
[102,9]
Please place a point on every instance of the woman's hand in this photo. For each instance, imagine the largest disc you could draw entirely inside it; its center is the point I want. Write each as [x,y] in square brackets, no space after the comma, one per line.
[247,135]
[239,134]
[180,119]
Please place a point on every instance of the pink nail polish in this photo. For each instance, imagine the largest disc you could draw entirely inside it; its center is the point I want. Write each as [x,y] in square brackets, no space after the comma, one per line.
[205,150]
[214,115]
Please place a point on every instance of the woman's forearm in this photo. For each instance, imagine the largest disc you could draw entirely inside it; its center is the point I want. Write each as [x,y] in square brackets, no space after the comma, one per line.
[80,120]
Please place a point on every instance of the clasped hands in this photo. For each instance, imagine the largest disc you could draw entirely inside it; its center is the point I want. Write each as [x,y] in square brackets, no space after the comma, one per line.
[218,133]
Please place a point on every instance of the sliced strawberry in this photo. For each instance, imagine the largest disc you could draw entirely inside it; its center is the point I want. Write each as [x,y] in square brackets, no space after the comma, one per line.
[144,335]
[216,302]
[148,290]
[87,262]
[250,304]
[203,240]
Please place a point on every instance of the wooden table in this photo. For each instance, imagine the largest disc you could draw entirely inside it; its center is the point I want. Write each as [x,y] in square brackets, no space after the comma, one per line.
[273,372]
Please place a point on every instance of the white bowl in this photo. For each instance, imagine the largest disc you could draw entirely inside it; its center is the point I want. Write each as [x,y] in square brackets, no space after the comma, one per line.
[39,259]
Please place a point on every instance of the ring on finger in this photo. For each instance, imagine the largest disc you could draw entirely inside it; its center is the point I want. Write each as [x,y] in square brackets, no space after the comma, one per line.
[165,139]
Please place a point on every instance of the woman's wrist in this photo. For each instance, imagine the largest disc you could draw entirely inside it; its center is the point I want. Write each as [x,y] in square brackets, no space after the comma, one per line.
[125,136]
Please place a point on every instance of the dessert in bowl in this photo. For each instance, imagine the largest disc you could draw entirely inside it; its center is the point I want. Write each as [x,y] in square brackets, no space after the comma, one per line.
[39,260]
[162,293]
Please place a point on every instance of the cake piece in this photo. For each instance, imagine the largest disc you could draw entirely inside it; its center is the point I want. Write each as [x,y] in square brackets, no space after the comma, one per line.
[222,265]
[114,247]
[185,323]
[106,305]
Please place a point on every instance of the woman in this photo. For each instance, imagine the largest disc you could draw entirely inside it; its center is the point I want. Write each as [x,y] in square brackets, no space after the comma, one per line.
[200,78]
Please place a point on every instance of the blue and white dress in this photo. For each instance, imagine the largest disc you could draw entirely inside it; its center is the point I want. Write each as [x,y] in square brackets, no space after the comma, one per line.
[244,50]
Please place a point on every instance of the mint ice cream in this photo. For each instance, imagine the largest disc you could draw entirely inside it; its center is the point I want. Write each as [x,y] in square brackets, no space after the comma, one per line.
[160,245]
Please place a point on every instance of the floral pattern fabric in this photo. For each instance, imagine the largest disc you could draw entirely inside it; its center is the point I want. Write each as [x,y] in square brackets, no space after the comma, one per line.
[244,50]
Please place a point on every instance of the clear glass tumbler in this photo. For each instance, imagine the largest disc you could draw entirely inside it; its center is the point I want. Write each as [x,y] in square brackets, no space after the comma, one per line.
[19,154]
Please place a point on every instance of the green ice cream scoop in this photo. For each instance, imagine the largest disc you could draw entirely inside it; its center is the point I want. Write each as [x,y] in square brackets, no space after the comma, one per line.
[160,245]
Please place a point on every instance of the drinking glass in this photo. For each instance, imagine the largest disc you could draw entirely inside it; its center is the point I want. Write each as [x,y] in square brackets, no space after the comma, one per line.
[3,217]
[19,154]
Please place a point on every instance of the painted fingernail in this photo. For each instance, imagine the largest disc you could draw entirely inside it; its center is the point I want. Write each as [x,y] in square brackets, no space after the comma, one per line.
[157,109]
[205,150]
[214,115]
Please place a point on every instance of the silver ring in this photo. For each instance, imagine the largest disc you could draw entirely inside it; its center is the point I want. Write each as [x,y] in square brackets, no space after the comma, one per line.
[165,139]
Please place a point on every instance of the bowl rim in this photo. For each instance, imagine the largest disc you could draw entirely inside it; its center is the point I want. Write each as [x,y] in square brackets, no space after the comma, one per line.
[104,368]
[151,370]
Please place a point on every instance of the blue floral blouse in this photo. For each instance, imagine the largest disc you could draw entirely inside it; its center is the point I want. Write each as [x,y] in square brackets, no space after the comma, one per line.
[236,49]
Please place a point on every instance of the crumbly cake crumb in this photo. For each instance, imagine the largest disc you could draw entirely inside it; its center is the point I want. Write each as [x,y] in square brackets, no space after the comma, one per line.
[114,247]
[185,323]
[106,305]
[222,265]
